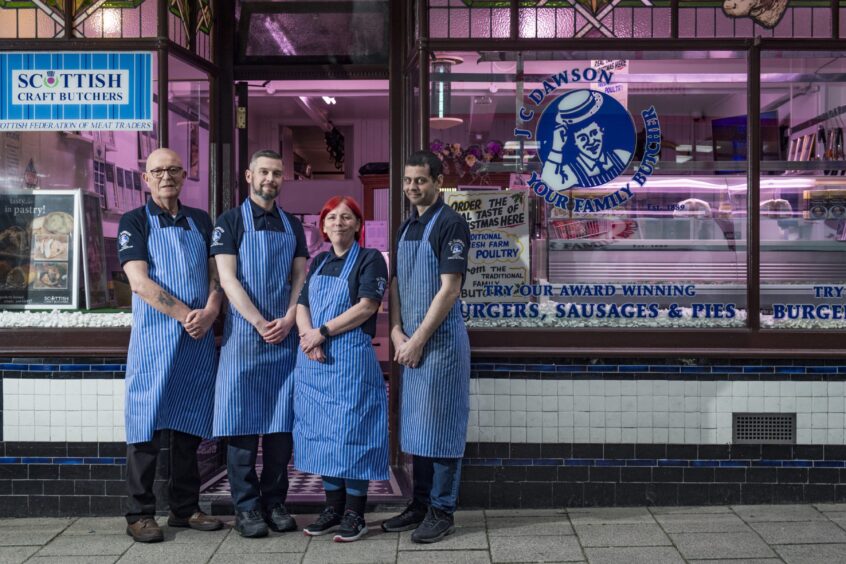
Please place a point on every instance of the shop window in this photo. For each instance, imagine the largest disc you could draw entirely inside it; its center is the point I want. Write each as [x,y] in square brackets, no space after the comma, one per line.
[463,19]
[803,192]
[588,230]
[798,18]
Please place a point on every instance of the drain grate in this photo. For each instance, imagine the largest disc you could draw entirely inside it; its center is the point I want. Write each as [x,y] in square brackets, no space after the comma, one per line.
[764,428]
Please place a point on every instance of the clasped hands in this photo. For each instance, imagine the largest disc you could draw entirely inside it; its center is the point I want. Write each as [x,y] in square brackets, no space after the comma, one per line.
[274,332]
[311,342]
[198,322]
[407,350]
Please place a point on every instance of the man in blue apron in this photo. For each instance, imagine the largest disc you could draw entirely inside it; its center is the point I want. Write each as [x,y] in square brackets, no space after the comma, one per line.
[261,255]
[170,369]
[431,344]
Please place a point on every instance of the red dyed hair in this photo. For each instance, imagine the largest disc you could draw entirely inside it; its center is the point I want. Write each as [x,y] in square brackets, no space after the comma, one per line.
[333,203]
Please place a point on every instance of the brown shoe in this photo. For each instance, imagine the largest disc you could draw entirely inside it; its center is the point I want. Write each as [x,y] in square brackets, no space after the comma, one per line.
[145,530]
[199,521]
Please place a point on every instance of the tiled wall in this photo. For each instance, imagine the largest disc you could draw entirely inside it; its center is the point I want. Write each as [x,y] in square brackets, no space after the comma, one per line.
[580,410]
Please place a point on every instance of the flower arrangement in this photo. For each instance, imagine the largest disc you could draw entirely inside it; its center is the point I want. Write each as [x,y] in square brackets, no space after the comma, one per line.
[460,162]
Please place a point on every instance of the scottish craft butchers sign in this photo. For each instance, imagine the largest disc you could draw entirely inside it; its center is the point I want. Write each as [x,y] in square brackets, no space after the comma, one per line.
[78,91]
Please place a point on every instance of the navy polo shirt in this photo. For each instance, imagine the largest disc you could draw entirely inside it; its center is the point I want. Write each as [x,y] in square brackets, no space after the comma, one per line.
[368,279]
[450,238]
[229,231]
[134,228]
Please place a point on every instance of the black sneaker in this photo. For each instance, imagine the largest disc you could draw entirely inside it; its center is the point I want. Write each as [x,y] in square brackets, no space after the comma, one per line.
[279,520]
[352,527]
[250,524]
[327,522]
[434,527]
[407,520]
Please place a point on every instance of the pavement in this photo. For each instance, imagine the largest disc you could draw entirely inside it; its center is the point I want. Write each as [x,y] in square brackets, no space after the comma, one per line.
[739,534]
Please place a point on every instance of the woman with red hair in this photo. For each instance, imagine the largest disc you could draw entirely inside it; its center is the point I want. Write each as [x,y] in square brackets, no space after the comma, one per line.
[340,404]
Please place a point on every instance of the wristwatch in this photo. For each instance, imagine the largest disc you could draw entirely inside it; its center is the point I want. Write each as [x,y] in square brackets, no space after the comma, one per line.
[324,331]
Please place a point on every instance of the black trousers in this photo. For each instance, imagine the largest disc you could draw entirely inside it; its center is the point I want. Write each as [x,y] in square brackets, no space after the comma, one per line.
[183,485]
[248,491]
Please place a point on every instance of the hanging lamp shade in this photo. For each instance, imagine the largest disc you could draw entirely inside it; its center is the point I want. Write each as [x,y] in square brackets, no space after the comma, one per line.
[440,97]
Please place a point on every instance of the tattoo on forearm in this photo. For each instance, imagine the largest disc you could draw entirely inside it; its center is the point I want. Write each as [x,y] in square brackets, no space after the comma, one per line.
[166,299]
[216,284]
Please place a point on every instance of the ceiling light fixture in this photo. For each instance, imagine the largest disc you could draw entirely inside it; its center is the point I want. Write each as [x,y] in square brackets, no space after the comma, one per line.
[440,99]
[329,100]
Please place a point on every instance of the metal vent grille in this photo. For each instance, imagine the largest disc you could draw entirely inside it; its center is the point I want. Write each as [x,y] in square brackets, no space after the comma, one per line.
[764,428]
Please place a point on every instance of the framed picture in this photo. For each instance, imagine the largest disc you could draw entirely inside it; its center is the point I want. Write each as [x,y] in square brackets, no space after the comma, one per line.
[120,177]
[193,150]
[136,180]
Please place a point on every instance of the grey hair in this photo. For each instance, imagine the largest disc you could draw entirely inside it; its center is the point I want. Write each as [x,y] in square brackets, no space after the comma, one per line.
[266,153]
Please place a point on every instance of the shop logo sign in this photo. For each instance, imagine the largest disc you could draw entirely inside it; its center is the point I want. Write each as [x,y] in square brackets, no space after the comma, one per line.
[586,140]
[33,87]
[76,91]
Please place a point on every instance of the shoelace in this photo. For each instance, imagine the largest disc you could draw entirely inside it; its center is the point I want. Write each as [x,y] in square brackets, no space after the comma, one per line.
[254,514]
[327,515]
[350,520]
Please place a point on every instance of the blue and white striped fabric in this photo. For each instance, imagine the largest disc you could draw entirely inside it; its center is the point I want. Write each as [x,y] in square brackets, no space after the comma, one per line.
[169,374]
[435,396]
[255,384]
[340,405]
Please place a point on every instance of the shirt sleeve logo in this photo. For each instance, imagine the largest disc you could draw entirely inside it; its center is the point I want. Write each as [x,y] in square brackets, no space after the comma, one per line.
[381,284]
[124,240]
[456,249]
[217,235]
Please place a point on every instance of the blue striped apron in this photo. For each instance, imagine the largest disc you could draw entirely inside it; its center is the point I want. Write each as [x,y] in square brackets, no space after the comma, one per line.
[255,385]
[340,408]
[435,396]
[169,374]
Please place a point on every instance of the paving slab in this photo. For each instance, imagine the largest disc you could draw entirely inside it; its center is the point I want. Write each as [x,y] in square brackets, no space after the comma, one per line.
[29,522]
[464,538]
[16,554]
[812,553]
[374,552]
[711,523]
[777,513]
[610,515]
[294,541]
[97,526]
[32,536]
[521,512]
[374,532]
[529,526]
[739,561]
[73,560]
[828,507]
[470,518]
[190,536]
[634,555]
[80,545]
[694,509]
[621,535]
[721,545]
[800,532]
[441,557]
[268,558]
[536,549]
[166,553]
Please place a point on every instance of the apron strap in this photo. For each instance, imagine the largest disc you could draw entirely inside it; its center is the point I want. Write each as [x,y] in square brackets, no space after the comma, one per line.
[352,256]
[192,224]
[322,263]
[152,220]
[284,217]
[431,224]
[247,216]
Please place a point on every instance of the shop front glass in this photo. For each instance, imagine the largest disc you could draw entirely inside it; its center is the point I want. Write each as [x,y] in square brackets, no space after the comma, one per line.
[602,190]
[803,190]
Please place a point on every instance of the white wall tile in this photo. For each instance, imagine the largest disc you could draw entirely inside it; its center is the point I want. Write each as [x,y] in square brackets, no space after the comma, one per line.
[612,434]
[581,403]
[26,419]
[772,404]
[756,403]
[597,435]
[549,388]
[518,387]
[550,403]
[819,388]
[549,435]
[502,387]
[628,419]
[486,419]
[502,402]
[42,419]
[534,419]
[596,403]
[644,403]
[565,387]
[533,435]
[10,432]
[42,433]
[518,403]
[518,434]
[26,386]
[502,434]
[660,436]
[581,388]
[628,435]
[550,419]
[581,419]
[581,434]
[486,434]
[502,418]
[835,404]
[534,403]
[533,387]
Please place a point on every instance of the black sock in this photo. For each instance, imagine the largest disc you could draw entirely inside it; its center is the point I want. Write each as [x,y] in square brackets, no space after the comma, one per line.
[336,499]
[357,503]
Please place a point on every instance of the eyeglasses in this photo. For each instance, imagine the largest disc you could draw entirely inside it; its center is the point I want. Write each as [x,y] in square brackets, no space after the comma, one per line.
[173,171]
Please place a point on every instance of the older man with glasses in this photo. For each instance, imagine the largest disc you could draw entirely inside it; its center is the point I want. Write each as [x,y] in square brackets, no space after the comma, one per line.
[170,369]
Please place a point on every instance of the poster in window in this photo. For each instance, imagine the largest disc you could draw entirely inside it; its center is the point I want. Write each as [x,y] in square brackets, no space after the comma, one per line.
[39,234]
[93,254]
[193,150]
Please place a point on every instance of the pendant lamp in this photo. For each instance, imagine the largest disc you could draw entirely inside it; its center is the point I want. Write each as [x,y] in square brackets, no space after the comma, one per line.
[440,97]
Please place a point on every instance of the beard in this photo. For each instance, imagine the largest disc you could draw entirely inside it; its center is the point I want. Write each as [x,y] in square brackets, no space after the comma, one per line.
[266,192]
